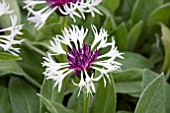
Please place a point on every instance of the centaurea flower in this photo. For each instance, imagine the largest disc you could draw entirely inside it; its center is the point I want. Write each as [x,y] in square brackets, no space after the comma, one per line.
[7,41]
[4,8]
[82,59]
[64,7]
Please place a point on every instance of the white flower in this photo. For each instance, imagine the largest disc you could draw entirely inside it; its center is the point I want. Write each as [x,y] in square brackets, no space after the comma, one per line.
[82,58]
[4,8]
[7,41]
[71,8]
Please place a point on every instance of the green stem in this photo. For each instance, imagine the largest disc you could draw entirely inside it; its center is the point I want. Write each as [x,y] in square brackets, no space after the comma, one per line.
[30,46]
[86,102]
[31,80]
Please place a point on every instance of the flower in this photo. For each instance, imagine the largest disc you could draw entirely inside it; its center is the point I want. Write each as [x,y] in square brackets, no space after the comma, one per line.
[4,8]
[7,41]
[82,59]
[64,7]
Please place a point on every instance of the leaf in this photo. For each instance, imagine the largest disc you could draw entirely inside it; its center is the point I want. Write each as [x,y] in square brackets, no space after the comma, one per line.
[166,43]
[12,67]
[111,5]
[149,76]
[105,98]
[109,18]
[160,15]
[124,112]
[133,35]
[5,105]
[152,99]
[51,93]
[55,107]
[121,37]
[5,56]
[142,9]
[133,60]
[128,81]
[76,102]
[23,96]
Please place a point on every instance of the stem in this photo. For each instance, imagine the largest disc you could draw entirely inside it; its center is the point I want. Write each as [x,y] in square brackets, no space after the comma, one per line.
[86,103]
[31,80]
[30,46]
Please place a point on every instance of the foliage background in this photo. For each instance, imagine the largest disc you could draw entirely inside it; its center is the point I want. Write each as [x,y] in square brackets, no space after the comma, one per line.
[141,29]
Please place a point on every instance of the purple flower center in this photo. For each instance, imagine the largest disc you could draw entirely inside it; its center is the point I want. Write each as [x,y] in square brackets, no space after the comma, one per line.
[60,3]
[82,59]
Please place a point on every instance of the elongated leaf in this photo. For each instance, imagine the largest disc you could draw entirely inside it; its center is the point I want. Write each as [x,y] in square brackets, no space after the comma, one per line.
[5,105]
[105,98]
[109,18]
[149,76]
[23,97]
[152,99]
[128,81]
[161,14]
[124,112]
[76,102]
[143,8]
[121,37]
[55,107]
[133,60]
[10,67]
[166,42]
[51,93]
[111,5]
[5,56]
[133,35]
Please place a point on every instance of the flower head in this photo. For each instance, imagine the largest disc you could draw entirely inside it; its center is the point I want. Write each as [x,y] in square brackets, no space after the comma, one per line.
[4,8]
[82,59]
[7,41]
[64,7]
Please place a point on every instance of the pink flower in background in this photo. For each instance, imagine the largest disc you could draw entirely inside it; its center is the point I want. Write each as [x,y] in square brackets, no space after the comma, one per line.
[64,7]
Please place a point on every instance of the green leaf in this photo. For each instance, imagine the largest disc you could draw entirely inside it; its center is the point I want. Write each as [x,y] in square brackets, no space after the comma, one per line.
[133,35]
[161,14]
[128,81]
[51,93]
[149,76]
[166,42]
[109,18]
[76,102]
[6,56]
[105,98]
[133,60]
[23,96]
[5,105]
[5,20]
[152,99]
[55,107]
[111,5]
[124,112]
[143,8]
[121,37]
[12,67]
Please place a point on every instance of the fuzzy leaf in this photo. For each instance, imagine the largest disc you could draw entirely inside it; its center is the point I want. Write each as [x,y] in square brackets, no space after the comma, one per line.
[152,99]
[23,96]
[105,98]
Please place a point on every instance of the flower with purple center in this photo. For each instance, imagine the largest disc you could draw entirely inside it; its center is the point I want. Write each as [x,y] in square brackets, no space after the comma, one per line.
[82,60]
[64,7]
